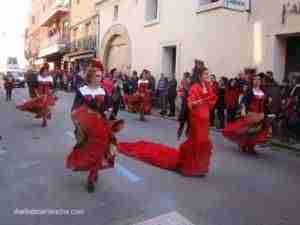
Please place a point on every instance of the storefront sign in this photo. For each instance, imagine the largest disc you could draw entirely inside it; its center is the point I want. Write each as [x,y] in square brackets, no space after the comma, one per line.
[240,5]
[290,8]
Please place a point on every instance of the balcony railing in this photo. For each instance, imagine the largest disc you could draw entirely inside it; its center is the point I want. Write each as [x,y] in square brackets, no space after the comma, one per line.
[56,39]
[88,43]
[238,5]
[58,9]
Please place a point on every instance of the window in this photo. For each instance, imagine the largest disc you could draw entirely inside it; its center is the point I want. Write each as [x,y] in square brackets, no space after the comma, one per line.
[75,33]
[205,5]
[152,11]
[66,27]
[87,28]
[12,61]
[205,2]
[33,19]
[116,12]
[237,5]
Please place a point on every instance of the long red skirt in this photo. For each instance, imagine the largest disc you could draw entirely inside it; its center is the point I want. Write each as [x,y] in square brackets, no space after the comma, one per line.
[95,153]
[192,159]
[237,133]
[136,101]
[155,154]
[39,105]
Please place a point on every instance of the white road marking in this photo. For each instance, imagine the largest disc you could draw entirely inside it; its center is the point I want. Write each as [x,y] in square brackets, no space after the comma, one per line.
[172,218]
[2,152]
[123,171]
[27,165]
[70,134]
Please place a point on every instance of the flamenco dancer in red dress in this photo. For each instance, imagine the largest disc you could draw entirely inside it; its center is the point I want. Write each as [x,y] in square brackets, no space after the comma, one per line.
[44,100]
[141,101]
[253,127]
[94,133]
[193,157]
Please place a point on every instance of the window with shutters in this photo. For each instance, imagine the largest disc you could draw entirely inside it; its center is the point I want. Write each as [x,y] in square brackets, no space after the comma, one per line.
[152,12]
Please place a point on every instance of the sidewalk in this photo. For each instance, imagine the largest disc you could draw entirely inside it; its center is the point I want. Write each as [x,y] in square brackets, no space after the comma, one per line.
[295,147]
[274,141]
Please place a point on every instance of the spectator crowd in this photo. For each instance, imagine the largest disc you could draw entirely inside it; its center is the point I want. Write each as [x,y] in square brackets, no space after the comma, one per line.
[282,100]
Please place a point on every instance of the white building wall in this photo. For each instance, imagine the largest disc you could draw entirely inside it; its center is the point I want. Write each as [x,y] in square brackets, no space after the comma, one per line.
[226,40]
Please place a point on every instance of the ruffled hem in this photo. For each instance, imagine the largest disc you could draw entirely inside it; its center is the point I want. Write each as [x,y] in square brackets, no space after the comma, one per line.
[37,105]
[238,132]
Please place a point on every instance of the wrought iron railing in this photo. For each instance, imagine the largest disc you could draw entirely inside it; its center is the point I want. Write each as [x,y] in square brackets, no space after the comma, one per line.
[87,43]
[58,38]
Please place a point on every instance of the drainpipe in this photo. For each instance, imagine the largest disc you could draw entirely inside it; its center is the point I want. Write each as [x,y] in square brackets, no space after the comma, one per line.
[97,33]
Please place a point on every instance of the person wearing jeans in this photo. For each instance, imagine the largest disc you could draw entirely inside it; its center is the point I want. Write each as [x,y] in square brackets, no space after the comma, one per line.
[9,84]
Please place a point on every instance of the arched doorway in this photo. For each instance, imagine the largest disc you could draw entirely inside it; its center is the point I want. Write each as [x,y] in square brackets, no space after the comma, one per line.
[116,49]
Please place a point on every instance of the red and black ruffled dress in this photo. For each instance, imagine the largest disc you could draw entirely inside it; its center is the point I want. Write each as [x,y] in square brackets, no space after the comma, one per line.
[92,152]
[141,100]
[40,105]
[251,129]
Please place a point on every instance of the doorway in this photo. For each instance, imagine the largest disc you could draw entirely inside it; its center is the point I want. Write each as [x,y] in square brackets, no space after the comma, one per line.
[292,68]
[169,61]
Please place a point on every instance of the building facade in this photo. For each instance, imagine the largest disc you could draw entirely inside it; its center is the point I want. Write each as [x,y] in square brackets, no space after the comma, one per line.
[165,36]
[84,31]
[47,38]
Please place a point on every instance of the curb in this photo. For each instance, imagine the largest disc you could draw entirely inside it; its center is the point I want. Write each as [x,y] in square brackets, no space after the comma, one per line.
[273,142]
[285,146]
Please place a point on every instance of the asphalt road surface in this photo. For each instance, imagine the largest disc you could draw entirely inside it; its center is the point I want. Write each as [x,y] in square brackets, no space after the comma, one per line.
[240,190]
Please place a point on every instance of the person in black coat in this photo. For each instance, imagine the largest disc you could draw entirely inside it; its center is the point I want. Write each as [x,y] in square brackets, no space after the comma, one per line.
[32,82]
[221,104]
[172,94]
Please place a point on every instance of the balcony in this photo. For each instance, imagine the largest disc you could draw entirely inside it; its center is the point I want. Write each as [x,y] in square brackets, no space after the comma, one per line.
[83,44]
[57,43]
[237,5]
[59,9]
[83,48]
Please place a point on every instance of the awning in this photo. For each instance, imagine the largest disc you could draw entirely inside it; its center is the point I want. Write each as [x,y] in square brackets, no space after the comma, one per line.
[82,57]
[56,48]
[79,55]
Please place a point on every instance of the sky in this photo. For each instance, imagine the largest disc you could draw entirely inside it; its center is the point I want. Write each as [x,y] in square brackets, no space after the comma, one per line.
[13,21]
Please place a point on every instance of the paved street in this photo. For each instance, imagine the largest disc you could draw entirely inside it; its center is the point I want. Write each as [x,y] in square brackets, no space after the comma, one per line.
[240,190]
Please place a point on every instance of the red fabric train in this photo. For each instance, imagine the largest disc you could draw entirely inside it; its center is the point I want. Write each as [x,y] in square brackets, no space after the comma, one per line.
[193,156]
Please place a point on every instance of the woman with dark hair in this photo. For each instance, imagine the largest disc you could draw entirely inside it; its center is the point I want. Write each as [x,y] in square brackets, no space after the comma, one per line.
[183,93]
[41,104]
[252,128]
[94,133]
[144,94]
[194,154]
[108,84]
[117,95]
[141,101]
[232,99]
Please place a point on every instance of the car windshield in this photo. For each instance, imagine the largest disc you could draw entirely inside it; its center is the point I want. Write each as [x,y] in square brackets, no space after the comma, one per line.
[15,74]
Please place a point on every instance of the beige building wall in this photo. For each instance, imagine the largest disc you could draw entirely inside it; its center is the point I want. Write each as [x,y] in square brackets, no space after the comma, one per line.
[81,14]
[269,33]
[226,40]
